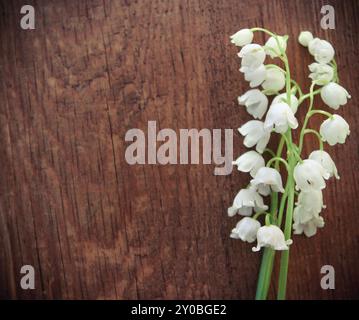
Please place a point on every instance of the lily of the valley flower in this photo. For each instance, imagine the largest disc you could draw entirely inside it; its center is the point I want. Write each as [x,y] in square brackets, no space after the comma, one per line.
[272,48]
[334,95]
[310,175]
[279,117]
[246,230]
[309,227]
[311,201]
[306,214]
[245,201]
[321,73]
[326,162]
[255,134]
[304,38]
[322,50]
[271,236]
[252,55]
[242,37]
[283,98]
[250,161]
[267,179]
[255,101]
[302,215]
[274,80]
[334,130]
[255,76]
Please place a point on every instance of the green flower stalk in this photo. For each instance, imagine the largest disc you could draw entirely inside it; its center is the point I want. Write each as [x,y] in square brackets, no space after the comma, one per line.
[272,225]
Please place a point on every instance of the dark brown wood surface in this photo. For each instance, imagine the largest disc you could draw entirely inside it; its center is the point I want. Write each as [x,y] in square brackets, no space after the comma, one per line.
[95,227]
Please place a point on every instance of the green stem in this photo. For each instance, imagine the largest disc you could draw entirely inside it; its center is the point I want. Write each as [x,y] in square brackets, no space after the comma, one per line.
[263,30]
[268,66]
[256,216]
[278,159]
[274,195]
[322,112]
[271,152]
[268,256]
[282,205]
[307,95]
[283,272]
[265,274]
[301,138]
[298,87]
[284,261]
[336,76]
[316,133]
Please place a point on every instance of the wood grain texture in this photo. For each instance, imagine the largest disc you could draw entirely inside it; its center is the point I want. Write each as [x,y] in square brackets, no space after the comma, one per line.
[95,227]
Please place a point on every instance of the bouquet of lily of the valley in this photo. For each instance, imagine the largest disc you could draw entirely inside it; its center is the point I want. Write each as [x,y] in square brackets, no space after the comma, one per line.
[297,204]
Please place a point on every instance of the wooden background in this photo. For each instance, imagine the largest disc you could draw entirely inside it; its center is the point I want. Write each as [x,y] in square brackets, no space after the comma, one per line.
[95,227]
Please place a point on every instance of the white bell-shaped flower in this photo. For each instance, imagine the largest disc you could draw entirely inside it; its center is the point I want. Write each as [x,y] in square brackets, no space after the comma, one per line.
[334,95]
[322,50]
[326,161]
[274,80]
[279,117]
[245,201]
[251,162]
[255,101]
[255,76]
[283,98]
[242,37]
[305,37]
[309,227]
[302,216]
[271,46]
[267,179]
[311,201]
[334,130]
[271,236]
[255,135]
[252,55]
[310,175]
[321,73]
[246,230]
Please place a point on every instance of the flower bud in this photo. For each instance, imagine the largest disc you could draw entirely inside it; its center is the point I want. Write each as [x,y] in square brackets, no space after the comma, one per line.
[252,55]
[255,101]
[334,95]
[271,46]
[251,162]
[242,37]
[274,80]
[305,37]
[322,50]
[246,230]
[334,130]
